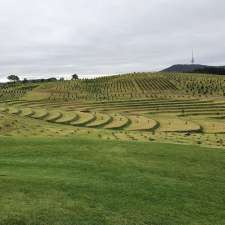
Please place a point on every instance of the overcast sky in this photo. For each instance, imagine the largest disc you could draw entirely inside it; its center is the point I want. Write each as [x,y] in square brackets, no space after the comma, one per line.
[60,37]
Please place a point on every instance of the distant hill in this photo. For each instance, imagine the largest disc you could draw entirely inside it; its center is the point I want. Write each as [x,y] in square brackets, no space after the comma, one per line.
[196,68]
[183,68]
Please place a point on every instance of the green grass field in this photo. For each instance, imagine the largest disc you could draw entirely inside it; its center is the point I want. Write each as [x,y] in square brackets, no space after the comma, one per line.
[79,181]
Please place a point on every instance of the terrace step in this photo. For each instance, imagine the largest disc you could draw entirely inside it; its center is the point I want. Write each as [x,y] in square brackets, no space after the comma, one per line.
[39,114]
[67,118]
[178,125]
[100,120]
[84,118]
[14,111]
[27,112]
[53,116]
[118,122]
[141,123]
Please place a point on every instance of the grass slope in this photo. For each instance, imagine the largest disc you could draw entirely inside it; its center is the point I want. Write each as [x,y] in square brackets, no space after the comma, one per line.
[80,181]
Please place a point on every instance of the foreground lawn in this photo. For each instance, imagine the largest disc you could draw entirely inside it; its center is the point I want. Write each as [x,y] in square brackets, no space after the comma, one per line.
[77,182]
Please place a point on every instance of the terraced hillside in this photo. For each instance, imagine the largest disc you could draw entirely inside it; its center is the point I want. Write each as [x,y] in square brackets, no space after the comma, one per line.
[130,107]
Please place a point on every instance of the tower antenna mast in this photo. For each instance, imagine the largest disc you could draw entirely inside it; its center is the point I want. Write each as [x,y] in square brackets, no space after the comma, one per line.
[193,58]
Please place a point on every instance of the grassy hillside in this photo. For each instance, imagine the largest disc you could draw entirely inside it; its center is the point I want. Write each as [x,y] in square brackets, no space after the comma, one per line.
[105,88]
[105,151]
[119,87]
[80,181]
[132,86]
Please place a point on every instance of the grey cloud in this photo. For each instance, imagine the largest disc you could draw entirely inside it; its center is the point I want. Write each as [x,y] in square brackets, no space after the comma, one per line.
[57,37]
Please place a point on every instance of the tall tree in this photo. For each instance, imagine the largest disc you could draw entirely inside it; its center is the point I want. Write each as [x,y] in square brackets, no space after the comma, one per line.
[75,77]
[13,78]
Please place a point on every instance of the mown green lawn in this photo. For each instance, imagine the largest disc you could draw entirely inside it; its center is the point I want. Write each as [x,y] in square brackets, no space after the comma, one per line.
[88,182]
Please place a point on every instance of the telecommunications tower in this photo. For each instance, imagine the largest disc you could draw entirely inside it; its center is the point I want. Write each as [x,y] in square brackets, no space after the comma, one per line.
[193,58]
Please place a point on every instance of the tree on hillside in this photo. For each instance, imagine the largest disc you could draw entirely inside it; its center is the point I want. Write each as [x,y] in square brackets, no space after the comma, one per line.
[75,77]
[13,78]
[25,80]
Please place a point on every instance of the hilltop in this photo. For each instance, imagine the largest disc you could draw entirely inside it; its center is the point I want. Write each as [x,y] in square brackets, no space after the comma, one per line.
[182,68]
[196,68]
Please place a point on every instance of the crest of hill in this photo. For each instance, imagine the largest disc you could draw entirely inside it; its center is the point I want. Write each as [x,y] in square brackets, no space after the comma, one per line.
[184,68]
[196,68]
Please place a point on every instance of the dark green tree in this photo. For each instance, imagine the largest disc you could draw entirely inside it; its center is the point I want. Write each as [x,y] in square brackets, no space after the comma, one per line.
[75,77]
[13,78]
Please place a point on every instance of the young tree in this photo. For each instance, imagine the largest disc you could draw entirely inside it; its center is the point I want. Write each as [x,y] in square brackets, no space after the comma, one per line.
[13,78]
[75,77]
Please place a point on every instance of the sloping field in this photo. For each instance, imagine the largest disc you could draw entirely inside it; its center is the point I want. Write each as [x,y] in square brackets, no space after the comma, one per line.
[79,181]
[121,87]
[84,151]
[160,102]
[106,88]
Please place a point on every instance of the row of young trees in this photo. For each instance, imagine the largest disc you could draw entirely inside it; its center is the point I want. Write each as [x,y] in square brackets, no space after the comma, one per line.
[114,87]
[199,85]
[16,78]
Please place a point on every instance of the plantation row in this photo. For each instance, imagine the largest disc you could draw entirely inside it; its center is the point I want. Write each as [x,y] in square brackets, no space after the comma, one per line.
[14,93]
[135,102]
[197,85]
[111,88]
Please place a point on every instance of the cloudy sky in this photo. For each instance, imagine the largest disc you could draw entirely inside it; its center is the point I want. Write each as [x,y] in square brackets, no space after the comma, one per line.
[60,37]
